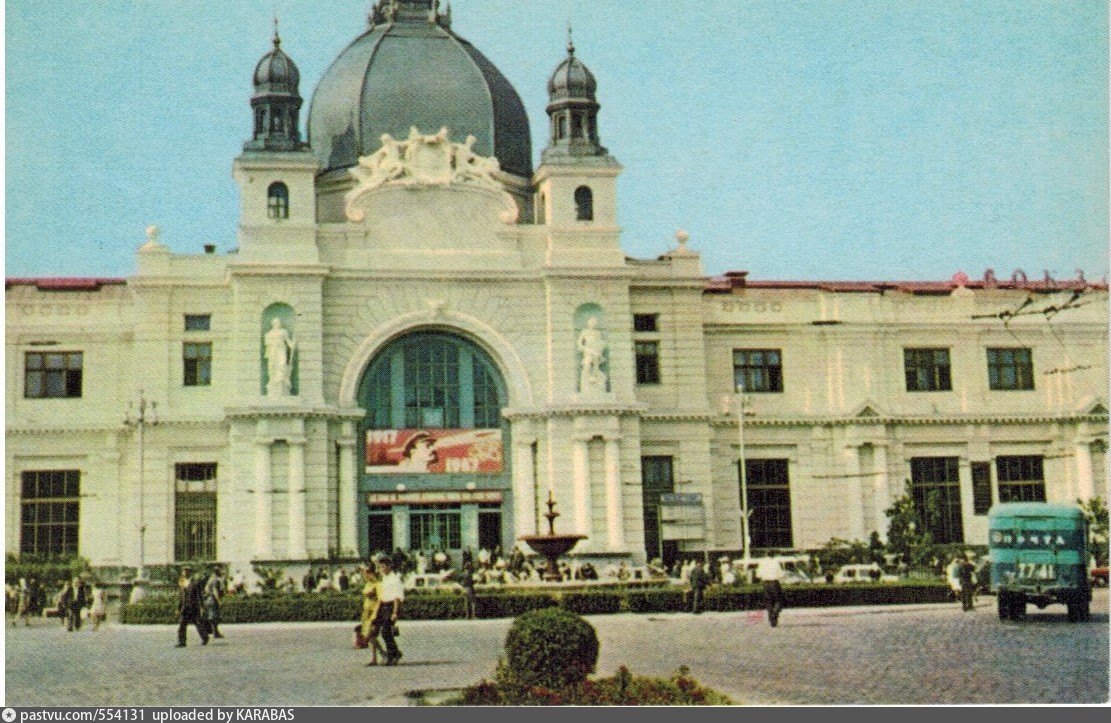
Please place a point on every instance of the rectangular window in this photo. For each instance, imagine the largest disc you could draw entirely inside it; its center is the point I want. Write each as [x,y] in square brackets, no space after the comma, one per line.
[656,478]
[645,322]
[758,370]
[52,375]
[198,322]
[927,370]
[1010,369]
[648,362]
[197,358]
[1021,479]
[195,511]
[769,503]
[49,512]
[936,491]
[432,527]
[981,487]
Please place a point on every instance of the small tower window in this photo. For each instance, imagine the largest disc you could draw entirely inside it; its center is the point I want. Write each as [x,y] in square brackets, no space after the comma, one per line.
[584,203]
[277,205]
[260,122]
[576,126]
[277,123]
[561,128]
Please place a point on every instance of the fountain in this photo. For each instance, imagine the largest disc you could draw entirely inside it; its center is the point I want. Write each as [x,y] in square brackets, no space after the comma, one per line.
[551,545]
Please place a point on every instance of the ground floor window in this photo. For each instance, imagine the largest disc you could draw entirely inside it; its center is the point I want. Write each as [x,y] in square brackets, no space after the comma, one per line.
[656,478]
[981,487]
[935,488]
[769,503]
[49,512]
[195,511]
[432,527]
[1021,479]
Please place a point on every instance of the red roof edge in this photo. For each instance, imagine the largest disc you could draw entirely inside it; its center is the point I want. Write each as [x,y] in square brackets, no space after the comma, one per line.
[63,283]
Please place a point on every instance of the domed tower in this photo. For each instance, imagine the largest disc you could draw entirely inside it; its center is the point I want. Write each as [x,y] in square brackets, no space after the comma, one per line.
[276,102]
[276,171]
[408,69]
[576,184]
[573,110]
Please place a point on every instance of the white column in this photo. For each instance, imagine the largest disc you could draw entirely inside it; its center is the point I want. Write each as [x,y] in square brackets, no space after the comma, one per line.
[854,498]
[297,549]
[580,489]
[524,490]
[263,501]
[348,541]
[1085,484]
[615,514]
[881,492]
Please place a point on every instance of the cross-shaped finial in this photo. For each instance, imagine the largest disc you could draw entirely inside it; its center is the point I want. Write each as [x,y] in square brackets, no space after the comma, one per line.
[570,39]
[277,37]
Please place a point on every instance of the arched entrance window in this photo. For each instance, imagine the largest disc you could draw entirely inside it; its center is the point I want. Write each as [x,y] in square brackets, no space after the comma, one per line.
[435,475]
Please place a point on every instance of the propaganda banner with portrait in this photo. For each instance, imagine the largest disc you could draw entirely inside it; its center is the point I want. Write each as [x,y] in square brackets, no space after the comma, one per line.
[433,451]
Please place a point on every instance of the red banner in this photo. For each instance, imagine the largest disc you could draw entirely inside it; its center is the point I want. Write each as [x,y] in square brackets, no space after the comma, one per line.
[433,451]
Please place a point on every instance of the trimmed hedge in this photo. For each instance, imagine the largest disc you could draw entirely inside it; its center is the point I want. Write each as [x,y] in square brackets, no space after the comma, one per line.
[451,606]
[510,605]
[662,600]
[592,603]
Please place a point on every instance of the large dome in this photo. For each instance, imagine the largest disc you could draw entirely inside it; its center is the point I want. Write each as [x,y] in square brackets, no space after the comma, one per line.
[409,70]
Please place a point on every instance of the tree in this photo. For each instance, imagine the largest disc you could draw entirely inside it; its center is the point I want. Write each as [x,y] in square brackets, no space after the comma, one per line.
[908,531]
[1095,510]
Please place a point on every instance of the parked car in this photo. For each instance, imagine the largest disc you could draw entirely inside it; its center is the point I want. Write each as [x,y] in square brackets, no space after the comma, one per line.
[1098,576]
[871,572]
[792,566]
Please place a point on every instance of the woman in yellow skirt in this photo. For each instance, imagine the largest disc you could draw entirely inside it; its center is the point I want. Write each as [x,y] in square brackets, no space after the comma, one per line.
[370,612]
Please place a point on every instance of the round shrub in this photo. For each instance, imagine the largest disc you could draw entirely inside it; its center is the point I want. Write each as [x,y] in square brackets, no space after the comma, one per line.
[551,648]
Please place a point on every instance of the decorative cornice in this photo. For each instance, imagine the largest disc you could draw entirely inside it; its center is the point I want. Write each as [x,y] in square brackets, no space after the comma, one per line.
[288,411]
[237,268]
[44,430]
[910,421]
[575,410]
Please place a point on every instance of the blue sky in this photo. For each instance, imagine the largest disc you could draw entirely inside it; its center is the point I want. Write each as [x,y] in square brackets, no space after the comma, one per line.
[831,139]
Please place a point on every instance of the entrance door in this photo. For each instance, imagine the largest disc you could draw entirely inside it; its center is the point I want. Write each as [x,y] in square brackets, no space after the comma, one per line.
[489,529]
[380,532]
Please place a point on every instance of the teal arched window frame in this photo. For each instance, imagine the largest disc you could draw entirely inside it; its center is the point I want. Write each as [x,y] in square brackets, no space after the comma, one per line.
[433,380]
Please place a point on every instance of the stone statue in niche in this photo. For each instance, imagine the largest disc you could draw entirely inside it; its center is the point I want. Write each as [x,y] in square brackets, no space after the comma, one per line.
[279,360]
[592,346]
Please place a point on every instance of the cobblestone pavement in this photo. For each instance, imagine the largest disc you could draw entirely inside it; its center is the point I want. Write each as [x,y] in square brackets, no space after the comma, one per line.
[863,655]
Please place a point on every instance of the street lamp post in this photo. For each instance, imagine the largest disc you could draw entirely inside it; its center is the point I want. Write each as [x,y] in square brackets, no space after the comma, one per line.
[140,413]
[746,540]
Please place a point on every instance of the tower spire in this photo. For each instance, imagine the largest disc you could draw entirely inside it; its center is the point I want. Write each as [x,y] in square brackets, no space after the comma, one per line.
[570,39]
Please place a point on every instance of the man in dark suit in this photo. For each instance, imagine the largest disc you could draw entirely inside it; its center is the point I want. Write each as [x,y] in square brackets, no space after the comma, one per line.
[699,581]
[190,593]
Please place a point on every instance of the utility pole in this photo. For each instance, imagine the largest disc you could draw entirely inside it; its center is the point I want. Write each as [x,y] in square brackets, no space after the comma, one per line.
[139,414]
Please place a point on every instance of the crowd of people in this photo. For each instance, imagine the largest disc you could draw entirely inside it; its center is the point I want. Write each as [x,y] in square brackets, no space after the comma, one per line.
[79,599]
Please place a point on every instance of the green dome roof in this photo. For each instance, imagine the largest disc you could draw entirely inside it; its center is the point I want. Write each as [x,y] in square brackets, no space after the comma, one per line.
[409,70]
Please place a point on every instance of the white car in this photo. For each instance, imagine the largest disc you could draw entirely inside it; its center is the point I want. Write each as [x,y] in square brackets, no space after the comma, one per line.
[863,573]
[792,567]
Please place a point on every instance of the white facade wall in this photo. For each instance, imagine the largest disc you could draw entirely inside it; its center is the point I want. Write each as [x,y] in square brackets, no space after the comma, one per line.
[290,483]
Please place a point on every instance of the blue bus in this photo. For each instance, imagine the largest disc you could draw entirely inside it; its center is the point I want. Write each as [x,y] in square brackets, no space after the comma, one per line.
[1039,554]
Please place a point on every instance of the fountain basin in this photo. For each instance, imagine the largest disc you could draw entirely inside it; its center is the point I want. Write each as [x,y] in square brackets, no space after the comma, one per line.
[551,547]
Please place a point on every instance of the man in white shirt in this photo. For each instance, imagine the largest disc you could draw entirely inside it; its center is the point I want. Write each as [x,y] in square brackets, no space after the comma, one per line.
[770,573]
[391,592]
